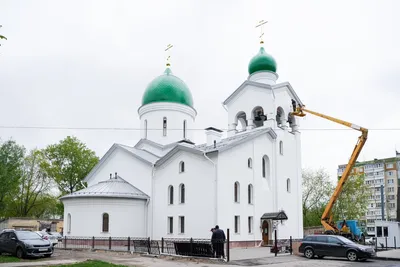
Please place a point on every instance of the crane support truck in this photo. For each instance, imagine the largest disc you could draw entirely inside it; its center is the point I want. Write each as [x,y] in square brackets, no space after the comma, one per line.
[342,228]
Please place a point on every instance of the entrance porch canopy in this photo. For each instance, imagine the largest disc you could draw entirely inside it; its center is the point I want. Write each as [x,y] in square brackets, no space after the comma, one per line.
[275,216]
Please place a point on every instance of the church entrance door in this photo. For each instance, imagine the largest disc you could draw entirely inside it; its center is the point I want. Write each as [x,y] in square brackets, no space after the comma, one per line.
[265,232]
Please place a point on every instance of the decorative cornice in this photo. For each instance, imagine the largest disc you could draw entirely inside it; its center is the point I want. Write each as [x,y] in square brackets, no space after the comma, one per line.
[167,106]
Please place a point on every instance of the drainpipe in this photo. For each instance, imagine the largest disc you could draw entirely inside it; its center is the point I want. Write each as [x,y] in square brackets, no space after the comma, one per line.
[153,170]
[147,217]
[215,188]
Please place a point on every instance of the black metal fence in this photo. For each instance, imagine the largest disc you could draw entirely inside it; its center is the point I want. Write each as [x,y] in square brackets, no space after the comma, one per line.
[191,247]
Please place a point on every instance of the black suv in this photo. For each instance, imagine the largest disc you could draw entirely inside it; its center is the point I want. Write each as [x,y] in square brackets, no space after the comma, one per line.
[24,243]
[334,246]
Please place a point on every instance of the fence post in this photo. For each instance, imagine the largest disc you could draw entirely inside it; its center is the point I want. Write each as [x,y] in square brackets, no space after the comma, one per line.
[227,245]
[109,243]
[162,244]
[191,247]
[129,243]
[394,242]
[92,242]
[291,246]
[276,244]
[65,242]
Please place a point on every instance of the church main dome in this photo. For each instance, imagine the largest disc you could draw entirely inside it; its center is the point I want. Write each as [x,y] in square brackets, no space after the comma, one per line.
[262,62]
[167,88]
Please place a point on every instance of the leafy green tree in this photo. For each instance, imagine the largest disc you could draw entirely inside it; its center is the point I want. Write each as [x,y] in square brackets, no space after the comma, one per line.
[34,185]
[11,169]
[68,162]
[353,201]
[317,189]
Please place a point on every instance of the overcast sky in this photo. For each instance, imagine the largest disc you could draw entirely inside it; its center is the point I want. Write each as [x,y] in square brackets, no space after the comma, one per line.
[86,64]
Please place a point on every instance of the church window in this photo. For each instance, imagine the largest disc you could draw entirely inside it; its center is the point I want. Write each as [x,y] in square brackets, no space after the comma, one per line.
[249,163]
[181,166]
[182,193]
[184,129]
[280,117]
[69,223]
[281,147]
[181,224]
[106,222]
[164,126]
[170,195]
[250,193]
[237,224]
[265,167]
[258,116]
[170,225]
[145,129]
[236,192]
[288,185]
[250,224]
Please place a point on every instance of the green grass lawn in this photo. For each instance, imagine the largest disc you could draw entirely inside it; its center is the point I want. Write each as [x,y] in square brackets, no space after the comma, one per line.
[92,263]
[8,259]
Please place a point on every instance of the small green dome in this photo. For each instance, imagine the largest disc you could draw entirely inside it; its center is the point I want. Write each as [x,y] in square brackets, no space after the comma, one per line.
[262,62]
[167,88]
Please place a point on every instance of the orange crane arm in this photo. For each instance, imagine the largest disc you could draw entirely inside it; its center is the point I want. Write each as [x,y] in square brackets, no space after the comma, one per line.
[327,216]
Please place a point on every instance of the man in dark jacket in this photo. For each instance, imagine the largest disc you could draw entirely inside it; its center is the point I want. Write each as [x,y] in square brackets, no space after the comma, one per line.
[218,241]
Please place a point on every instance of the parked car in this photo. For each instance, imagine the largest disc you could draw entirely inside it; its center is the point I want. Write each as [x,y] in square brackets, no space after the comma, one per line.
[334,246]
[24,243]
[45,235]
[57,235]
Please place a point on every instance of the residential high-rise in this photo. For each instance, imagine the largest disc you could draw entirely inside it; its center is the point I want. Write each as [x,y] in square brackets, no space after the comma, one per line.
[380,172]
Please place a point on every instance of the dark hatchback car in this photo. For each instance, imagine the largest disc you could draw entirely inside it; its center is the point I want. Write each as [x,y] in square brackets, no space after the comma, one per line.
[334,246]
[24,243]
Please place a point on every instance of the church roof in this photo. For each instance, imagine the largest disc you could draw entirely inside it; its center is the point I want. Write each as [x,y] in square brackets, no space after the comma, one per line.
[262,61]
[113,187]
[167,88]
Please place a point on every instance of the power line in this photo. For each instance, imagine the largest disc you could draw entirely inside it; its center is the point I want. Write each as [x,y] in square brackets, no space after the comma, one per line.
[159,129]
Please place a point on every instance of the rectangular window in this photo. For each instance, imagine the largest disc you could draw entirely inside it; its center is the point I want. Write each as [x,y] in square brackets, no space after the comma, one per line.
[389,165]
[385,231]
[182,224]
[237,224]
[170,225]
[378,231]
[250,224]
[164,126]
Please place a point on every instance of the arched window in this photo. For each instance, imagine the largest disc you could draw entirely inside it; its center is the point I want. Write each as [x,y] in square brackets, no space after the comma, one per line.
[145,129]
[241,121]
[250,193]
[184,129]
[236,192]
[249,163]
[281,147]
[170,195]
[258,116]
[181,166]
[280,117]
[288,185]
[165,126]
[69,223]
[182,193]
[266,167]
[106,222]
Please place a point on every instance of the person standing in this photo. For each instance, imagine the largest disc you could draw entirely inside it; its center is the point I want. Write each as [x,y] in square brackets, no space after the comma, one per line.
[218,240]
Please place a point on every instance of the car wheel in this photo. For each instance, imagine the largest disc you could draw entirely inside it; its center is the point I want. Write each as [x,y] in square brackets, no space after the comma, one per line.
[20,253]
[352,255]
[309,253]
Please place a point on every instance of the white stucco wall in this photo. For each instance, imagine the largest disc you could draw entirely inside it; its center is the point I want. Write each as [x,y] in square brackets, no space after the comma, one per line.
[198,208]
[127,217]
[176,114]
[131,169]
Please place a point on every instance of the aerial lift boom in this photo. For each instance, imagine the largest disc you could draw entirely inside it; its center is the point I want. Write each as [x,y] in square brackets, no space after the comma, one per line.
[327,216]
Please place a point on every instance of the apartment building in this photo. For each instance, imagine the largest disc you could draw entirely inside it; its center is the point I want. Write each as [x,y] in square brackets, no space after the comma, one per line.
[380,172]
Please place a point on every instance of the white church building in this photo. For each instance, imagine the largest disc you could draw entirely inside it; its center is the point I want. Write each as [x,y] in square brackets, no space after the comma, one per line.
[168,186]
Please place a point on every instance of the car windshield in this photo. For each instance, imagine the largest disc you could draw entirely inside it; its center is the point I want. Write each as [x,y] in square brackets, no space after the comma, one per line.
[345,240]
[28,235]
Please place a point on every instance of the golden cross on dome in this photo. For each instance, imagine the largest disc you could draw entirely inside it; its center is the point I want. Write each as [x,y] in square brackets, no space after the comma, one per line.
[261,25]
[168,53]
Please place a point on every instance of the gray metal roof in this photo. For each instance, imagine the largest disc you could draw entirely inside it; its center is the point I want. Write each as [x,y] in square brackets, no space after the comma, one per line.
[112,187]
[234,140]
[140,153]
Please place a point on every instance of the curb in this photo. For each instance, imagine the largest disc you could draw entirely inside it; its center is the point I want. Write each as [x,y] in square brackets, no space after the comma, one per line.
[385,259]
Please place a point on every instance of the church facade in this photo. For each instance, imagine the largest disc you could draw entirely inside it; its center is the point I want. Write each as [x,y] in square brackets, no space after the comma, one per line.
[168,186]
